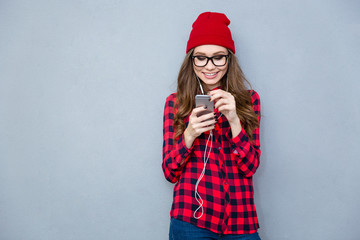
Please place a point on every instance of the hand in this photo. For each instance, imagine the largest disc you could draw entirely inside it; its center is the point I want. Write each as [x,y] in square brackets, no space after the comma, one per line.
[226,104]
[198,125]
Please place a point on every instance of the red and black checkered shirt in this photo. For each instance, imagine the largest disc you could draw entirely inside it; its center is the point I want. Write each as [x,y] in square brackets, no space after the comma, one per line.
[226,188]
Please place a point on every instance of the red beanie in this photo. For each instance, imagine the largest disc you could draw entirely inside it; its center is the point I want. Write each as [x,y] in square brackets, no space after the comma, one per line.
[211,28]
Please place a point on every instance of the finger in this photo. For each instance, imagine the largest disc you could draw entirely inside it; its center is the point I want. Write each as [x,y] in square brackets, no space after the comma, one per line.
[215,96]
[224,108]
[219,92]
[212,92]
[206,117]
[219,95]
[221,102]
[209,123]
[205,129]
[197,110]
[209,128]
[200,128]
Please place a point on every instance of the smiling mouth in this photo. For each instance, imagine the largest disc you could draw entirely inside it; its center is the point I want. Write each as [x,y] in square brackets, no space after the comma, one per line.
[210,75]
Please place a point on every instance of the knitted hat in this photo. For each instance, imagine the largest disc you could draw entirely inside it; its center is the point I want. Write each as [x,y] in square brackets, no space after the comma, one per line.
[211,28]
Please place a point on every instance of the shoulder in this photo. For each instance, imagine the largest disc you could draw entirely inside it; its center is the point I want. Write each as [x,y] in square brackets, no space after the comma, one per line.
[254,97]
[170,100]
[171,97]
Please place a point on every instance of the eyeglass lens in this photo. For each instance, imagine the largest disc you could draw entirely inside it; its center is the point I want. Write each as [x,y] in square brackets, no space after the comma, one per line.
[218,61]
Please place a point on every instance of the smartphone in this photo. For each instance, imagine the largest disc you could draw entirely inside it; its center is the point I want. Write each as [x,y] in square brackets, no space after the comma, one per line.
[204,100]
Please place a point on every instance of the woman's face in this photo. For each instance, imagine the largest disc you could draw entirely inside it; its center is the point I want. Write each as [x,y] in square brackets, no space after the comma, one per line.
[210,74]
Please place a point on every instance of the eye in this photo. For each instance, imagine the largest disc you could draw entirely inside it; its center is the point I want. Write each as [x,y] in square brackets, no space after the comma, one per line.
[218,57]
[201,58]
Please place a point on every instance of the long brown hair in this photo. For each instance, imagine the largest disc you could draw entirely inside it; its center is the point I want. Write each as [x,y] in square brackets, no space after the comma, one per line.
[188,87]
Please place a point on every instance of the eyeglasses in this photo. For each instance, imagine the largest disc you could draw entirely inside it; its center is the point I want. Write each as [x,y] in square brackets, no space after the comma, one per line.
[202,61]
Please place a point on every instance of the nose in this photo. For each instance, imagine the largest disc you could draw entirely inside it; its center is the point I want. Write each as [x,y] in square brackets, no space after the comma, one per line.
[210,65]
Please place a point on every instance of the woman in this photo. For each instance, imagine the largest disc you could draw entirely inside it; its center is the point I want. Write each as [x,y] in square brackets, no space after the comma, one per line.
[212,157]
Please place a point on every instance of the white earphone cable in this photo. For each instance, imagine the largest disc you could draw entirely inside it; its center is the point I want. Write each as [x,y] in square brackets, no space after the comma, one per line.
[206,159]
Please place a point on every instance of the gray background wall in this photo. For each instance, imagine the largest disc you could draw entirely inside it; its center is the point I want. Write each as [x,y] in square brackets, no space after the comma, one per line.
[82,90]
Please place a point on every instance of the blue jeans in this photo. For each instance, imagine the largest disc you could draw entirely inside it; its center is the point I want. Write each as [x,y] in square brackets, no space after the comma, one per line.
[180,230]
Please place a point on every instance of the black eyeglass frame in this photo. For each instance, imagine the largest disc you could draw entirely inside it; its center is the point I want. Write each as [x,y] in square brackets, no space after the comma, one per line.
[211,58]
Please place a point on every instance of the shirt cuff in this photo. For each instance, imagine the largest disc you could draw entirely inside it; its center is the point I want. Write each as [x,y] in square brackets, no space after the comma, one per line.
[240,145]
[183,150]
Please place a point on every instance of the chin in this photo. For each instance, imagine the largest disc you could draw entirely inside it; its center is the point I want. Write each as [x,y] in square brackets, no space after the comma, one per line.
[212,83]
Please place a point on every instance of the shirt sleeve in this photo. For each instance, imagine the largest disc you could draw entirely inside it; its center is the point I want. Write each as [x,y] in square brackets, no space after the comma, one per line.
[246,152]
[175,153]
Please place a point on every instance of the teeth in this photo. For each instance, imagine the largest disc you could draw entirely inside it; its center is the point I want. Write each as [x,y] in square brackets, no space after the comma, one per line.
[210,74]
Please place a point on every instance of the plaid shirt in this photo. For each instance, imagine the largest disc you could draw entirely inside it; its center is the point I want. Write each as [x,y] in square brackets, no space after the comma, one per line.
[226,188]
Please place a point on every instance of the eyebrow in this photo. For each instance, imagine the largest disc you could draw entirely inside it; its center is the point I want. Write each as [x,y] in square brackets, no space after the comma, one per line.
[214,54]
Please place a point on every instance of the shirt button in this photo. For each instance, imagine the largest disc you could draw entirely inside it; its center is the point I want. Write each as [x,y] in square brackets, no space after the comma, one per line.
[225,183]
[219,148]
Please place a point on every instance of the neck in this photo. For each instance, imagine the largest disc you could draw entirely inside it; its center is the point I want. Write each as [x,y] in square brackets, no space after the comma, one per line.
[211,87]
